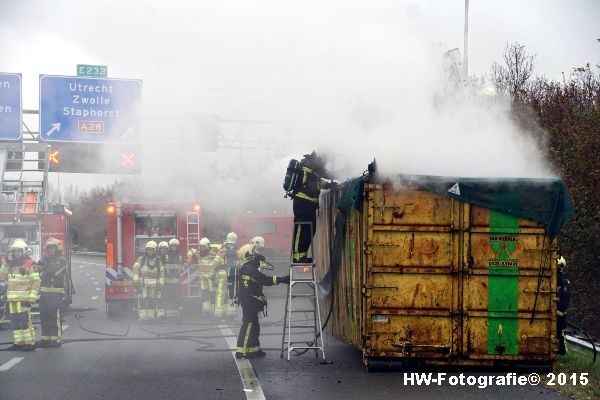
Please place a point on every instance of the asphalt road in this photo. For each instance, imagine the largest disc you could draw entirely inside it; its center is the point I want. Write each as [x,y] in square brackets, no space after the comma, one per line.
[135,363]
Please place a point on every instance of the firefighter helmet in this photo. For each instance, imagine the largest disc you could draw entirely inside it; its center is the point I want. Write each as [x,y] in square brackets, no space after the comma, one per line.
[173,242]
[231,238]
[562,263]
[55,242]
[163,245]
[204,242]
[19,244]
[151,245]
[258,241]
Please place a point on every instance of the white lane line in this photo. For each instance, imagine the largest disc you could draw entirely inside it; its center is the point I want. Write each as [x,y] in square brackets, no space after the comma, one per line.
[250,381]
[87,274]
[96,283]
[11,364]
[97,288]
[93,278]
[89,263]
[95,298]
[65,327]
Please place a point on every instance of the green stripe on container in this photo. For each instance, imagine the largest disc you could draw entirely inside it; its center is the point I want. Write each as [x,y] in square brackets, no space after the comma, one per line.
[503,285]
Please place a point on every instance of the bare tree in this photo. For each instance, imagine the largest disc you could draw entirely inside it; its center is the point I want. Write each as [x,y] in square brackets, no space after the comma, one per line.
[511,77]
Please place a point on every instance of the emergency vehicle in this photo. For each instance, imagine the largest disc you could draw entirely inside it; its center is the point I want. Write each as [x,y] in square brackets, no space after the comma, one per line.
[276,229]
[129,228]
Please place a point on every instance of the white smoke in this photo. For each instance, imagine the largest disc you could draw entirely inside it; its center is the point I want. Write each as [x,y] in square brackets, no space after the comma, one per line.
[360,80]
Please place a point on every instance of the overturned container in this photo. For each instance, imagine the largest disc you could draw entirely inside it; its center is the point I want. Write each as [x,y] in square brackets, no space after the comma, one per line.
[445,271]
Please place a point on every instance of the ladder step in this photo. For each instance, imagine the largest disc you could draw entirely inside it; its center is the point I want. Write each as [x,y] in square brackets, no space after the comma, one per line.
[303,264]
[303,281]
[305,347]
[312,310]
[304,295]
[300,326]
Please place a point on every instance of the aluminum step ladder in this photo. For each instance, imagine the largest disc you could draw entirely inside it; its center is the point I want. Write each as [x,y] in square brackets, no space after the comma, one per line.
[307,336]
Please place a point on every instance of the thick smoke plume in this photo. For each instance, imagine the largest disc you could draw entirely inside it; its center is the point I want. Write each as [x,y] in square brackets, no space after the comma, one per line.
[359,80]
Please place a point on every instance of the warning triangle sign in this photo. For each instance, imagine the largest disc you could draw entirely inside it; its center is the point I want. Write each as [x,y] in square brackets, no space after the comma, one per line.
[455,189]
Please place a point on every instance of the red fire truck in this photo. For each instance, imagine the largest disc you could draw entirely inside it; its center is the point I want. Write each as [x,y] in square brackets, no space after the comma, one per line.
[129,228]
[275,228]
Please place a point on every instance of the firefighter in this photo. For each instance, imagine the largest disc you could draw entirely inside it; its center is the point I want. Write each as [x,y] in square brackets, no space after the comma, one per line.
[148,279]
[23,285]
[53,268]
[312,178]
[163,249]
[224,281]
[208,265]
[173,268]
[253,301]
[564,296]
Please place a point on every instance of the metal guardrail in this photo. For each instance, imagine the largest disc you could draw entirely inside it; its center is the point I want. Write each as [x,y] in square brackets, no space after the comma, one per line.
[582,342]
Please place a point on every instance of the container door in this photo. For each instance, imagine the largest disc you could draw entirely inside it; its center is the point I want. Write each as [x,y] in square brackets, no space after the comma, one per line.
[411,293]
[504,275]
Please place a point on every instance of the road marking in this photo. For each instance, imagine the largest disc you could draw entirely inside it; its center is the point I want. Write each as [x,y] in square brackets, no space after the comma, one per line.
[90,263]
[11,364]
[65,327]
[250,381]
[87,274]
[96,283]
[93,278]
[95,298]
[97,288]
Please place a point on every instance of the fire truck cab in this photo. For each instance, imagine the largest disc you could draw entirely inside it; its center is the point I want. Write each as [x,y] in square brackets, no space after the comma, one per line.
[129,228]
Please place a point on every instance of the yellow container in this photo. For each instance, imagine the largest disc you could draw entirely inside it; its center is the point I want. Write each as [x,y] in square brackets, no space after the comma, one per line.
[429,279]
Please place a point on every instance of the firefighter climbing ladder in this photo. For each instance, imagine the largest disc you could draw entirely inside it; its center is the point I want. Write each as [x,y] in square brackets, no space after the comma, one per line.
[302,275]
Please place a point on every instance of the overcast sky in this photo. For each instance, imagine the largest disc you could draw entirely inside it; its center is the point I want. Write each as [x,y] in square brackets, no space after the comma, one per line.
[246,59]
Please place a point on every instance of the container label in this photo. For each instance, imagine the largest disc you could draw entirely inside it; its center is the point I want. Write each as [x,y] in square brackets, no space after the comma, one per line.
[380,319]
[503,284]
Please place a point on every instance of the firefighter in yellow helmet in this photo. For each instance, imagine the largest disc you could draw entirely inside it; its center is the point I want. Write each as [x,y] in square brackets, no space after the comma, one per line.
[564,297]
[20,273]
[148,278]
[224,279]
[173,266]
[208,265]
[250,296]
[53,269]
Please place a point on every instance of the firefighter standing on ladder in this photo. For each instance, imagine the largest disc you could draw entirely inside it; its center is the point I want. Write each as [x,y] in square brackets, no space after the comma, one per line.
[23,281]
[311,178]
[53,268]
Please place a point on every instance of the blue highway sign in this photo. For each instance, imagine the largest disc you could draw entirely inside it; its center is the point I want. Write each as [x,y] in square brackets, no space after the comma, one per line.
[89,110]
[11,109]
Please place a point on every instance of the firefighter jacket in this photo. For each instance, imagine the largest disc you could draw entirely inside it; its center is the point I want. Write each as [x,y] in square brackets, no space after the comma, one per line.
[173,267]
[252,282]
[228,255]
[209,264]
[564,294]
[148,271]
[312,178]
[52,274]
[22,278]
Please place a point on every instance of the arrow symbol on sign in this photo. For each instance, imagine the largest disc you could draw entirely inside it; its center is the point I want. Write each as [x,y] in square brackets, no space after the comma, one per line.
[55,128]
